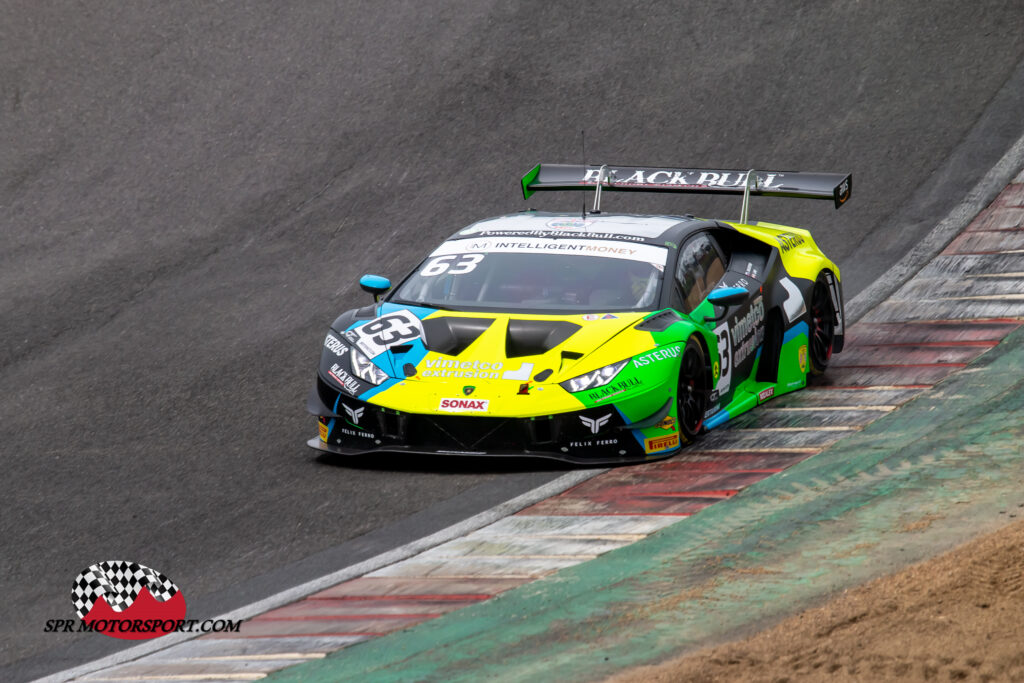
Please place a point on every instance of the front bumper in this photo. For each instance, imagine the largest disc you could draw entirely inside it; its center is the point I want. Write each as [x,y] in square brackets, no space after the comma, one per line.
[593,436]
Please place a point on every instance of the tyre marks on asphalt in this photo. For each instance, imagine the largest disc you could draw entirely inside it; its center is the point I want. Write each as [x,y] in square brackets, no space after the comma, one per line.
[957,307]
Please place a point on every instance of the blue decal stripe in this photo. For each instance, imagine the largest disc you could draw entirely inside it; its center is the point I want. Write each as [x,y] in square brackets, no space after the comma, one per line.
[717,419]
[420,312]
[637,434]
[366,395]
[795,331]
[414,356]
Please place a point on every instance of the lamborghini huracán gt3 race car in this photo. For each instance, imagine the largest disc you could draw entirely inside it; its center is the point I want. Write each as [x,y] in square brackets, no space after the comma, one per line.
[593,338]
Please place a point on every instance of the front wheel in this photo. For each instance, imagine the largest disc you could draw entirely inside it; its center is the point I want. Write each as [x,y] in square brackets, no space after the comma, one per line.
[692,398]
[823,327]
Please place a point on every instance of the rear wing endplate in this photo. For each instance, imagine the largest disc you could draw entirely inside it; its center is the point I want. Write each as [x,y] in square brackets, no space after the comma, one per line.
[834,186]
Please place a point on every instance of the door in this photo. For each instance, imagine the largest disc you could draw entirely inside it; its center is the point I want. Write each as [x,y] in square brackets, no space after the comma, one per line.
[740,332]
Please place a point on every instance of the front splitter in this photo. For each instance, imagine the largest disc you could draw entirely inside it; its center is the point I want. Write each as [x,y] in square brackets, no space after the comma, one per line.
[319,445]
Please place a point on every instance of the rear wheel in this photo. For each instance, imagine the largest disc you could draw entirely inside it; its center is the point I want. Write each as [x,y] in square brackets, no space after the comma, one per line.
[823,327]
[692,397]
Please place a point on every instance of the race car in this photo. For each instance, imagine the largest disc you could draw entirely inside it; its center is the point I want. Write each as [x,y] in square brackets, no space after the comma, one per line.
[588,337]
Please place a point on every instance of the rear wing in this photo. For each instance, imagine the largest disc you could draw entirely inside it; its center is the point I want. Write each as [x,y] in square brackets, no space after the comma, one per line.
[834,186]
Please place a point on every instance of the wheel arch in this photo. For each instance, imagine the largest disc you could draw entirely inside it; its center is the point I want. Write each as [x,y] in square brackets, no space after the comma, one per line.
[831,275]
[701,397]
[708,372]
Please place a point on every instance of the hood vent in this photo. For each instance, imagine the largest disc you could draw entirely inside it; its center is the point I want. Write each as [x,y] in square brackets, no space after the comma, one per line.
[659,322]
[534,337]
[452,336]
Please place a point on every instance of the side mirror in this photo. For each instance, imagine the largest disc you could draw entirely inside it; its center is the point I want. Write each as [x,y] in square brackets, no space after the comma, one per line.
[727,296]
[375,285]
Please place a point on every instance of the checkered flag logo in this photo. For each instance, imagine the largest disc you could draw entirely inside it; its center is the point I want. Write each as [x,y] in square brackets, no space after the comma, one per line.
[119,583]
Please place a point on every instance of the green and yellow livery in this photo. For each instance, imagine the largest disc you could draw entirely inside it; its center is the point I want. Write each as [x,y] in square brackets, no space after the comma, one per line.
[592,338]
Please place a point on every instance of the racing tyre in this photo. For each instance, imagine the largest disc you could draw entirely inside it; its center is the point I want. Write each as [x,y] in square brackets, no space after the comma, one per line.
[692,397]
[823,327]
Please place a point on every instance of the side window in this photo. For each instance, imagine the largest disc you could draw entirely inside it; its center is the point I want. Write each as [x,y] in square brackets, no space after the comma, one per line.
[699,269]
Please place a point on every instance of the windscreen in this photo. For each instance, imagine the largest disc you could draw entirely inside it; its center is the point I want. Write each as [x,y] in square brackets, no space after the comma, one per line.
[538,275]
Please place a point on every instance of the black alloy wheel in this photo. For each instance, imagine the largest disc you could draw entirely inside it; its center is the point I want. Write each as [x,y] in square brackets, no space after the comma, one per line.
[692,398]
[823,327]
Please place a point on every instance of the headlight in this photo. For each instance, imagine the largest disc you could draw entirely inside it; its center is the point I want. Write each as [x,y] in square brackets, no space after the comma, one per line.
[364,368]
[597,378]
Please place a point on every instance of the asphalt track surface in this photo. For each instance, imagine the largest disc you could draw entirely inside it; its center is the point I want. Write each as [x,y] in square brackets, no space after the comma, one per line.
[189,192]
